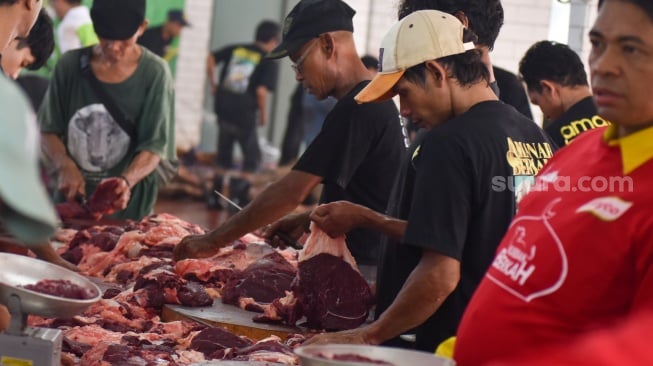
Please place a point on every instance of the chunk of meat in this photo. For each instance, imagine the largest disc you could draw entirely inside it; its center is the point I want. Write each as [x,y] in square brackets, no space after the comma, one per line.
[321,243]
[264,281]
[211,340]
[203,270]
[102,199]
[61,288]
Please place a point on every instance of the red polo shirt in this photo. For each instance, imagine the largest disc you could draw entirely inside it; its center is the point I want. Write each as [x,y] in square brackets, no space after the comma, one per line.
[577,257]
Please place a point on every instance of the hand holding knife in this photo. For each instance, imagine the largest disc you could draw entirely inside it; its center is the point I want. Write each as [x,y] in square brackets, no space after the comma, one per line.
[285,238]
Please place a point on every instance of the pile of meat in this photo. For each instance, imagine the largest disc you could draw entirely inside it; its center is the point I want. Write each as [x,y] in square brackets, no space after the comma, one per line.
[320,288]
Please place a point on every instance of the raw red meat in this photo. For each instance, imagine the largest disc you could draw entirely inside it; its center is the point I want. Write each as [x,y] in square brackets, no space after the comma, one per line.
[213,341]
[61,288]
[328,290]
[264,281]
[101,201]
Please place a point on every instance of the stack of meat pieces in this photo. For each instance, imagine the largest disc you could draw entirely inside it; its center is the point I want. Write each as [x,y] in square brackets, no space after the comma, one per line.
[100,203]
[321,284]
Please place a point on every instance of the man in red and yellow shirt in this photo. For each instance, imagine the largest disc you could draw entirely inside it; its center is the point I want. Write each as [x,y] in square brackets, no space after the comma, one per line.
[579,255]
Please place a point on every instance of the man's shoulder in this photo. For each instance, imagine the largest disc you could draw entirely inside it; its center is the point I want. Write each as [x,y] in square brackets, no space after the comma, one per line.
[154,63]
[13,102]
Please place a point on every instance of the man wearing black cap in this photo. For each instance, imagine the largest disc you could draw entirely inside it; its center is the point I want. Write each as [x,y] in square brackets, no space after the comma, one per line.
[88,141]
[157,39]
[356,155]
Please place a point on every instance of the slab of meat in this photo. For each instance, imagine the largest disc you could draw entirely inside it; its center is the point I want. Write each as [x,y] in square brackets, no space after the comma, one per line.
[213,342]
[100,203]
[328,290]
[61,288]
[264,281]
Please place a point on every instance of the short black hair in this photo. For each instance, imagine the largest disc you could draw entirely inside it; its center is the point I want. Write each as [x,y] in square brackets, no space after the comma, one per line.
[485,16]
[267,30]
[74,2]
[8,2]
[468,68]
[40,40]
[370,62]
[556,62]
[645,5]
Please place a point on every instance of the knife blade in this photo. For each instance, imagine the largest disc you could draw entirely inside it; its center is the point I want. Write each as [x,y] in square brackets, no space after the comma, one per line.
[285,238]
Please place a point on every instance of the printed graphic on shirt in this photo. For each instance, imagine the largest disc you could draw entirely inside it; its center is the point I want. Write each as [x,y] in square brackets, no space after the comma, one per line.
[606,208]
[241,67]
[526,160]
[574,128]
[532,263]
[95,141]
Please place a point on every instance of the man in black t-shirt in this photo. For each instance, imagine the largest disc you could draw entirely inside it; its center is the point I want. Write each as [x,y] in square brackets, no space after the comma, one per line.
[557,83]
[357,153]
[158,38]
[454,199]
[241,94]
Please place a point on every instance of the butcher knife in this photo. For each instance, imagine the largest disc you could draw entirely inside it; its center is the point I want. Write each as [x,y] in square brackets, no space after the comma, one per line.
[285,238]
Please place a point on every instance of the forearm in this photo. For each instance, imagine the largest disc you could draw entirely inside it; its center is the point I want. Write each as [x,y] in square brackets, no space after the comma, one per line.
[273,203]
[143,165]
[55,151]
[210,70]
[262,102]
[427,287]
[391,227]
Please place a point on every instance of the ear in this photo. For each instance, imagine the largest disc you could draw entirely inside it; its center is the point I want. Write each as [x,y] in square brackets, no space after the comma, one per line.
[549,88]
[437,72]
[142,27]
[327,44]
[462,17]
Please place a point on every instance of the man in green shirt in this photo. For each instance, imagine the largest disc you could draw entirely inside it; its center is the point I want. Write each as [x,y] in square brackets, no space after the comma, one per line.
[84,141]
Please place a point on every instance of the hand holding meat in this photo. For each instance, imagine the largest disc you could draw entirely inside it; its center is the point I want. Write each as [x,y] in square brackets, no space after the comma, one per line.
[338,218]
[293,225]
[112,194]
[354,336]
[195,246]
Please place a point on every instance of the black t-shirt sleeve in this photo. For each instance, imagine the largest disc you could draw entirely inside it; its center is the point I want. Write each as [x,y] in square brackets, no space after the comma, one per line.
[269,71]
[441,205]
[340,147]
[222,54]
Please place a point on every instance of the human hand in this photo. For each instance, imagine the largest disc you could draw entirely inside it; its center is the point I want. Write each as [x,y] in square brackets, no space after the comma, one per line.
[293,226]
[71,182]
[338,218]
[353,336]
[195,246]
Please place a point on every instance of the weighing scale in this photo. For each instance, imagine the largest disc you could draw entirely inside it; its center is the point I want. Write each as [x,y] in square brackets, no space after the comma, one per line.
[29,346]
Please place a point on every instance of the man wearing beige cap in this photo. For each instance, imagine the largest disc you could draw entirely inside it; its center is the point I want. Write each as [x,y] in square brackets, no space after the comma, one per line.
[453,201]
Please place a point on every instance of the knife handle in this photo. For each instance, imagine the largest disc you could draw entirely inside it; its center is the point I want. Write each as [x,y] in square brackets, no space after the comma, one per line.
[288,240]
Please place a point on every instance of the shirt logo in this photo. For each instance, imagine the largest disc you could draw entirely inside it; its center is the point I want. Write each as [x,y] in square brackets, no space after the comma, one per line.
[606,208]
[531,261]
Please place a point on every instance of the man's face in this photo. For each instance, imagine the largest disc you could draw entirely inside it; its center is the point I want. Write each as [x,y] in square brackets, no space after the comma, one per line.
[115,50]
[15,59]
[59,7]
[621,65]
[425,105]
[175,28]
[550,106]
[310,69]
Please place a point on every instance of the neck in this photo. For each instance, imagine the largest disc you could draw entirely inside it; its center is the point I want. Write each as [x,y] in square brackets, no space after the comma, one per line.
[463,98]
[351,73]
[573,95]
[485,57]
[165,33]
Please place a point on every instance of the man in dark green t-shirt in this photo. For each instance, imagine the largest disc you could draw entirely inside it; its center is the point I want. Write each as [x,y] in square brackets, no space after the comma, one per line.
[82,138]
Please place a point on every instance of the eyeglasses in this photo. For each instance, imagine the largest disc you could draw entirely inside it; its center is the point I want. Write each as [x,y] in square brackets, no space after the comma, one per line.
[297,66]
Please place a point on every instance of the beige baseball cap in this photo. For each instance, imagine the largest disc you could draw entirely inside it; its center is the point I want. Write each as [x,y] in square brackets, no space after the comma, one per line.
[25,210]
[421,36]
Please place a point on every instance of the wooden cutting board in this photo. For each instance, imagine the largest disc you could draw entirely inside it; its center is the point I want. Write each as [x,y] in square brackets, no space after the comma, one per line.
[233,318]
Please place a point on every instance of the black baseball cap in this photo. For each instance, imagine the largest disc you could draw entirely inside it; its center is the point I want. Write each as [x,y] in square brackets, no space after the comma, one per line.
[310,18]
[177,15]
[117,19]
